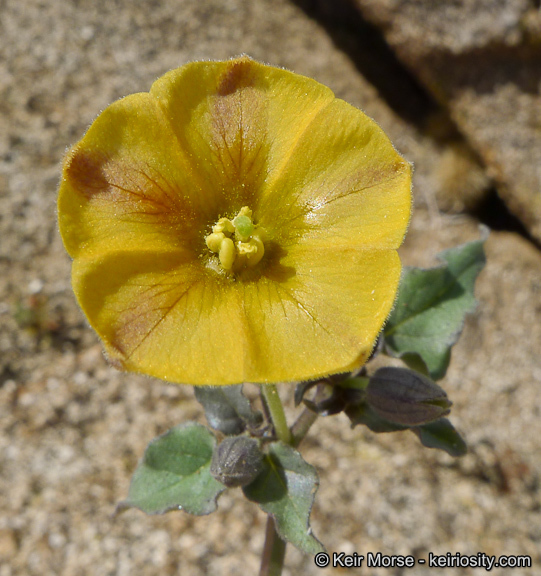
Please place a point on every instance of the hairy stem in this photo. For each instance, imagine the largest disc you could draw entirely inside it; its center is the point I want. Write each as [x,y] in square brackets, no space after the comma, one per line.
[274,551]
[304,422]
[276,410]
[301,426]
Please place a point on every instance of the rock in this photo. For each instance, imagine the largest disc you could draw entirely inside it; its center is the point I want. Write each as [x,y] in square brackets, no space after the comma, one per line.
[481,59]
[422,27]
[462,182]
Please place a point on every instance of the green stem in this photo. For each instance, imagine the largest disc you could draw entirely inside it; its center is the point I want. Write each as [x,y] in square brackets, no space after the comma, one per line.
[274,552]
[301,426]
[276,410]
[306,419]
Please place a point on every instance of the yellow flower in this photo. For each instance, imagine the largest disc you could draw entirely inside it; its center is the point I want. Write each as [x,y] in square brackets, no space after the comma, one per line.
[238,223]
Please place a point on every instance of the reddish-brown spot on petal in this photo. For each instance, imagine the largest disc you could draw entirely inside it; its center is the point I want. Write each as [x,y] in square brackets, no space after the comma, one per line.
[135,190]
[239,130]
[149,308]
[239,75]
[85,171]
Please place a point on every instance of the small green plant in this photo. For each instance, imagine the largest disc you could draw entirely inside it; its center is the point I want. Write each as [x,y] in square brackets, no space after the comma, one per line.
[239,224]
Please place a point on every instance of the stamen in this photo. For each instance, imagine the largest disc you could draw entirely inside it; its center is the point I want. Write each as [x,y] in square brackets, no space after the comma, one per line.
[239,243]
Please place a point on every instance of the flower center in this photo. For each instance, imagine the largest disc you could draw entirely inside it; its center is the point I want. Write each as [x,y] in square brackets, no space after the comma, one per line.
[238,242]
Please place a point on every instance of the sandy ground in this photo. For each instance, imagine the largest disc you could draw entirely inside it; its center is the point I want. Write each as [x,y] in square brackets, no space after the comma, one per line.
[72,428]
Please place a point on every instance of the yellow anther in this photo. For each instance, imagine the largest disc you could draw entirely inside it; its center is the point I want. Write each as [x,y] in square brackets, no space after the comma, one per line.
[260,234]
[245,211]
[254,256]
[246,248]
[238,243]
[224,225]
[227,253]
[214,241]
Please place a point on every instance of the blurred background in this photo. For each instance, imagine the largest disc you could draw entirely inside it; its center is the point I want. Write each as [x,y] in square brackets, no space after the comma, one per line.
[456,85]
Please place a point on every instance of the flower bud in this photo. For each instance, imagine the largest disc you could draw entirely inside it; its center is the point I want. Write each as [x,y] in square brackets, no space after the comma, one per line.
[237,461]
[405,397]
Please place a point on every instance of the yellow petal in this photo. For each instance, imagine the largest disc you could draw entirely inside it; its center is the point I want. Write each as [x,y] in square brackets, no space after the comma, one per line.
[343,184]
[162,315]
[169,318]
[308,317]
[237,121]
[127,182]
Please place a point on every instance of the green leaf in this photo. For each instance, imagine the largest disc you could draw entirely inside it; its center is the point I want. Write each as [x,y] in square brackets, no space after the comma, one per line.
[226,408]
[441,434]
[175,473]
[429,313]
[285,489]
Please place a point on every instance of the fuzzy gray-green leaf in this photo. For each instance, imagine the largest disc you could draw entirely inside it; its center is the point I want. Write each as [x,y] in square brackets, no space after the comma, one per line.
[226,408]
[285,489]
[441,434]
[429,313]
[175,473]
